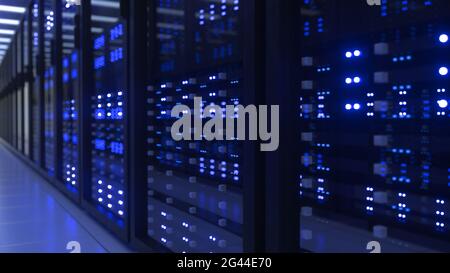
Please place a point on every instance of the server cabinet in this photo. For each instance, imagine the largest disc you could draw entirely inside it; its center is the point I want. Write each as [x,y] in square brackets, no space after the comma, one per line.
[13,109]
[13,59]
[198,192]
[13,84]
[27,83]
[26,119]
[70,96]
[3,118]
[49,75]
[36,92]
[19,102]
[19,88]
[373,105]
[105,187]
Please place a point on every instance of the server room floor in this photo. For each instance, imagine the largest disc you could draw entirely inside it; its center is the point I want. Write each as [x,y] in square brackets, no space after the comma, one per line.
[36,218]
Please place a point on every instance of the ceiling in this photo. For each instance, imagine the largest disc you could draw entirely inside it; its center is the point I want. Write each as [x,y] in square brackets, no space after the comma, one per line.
[11,12]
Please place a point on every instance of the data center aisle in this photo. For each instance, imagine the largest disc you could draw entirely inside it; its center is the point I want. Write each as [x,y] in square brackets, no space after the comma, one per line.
[34,217]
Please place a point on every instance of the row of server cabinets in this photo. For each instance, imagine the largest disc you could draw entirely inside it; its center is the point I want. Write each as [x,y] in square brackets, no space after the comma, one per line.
[86,96]
[88,90]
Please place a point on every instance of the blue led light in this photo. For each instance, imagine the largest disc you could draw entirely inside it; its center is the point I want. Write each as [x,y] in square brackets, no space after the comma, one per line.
[355,53]
[116,32]
[99,43]
[116,55]
[443,71]
[443,103]
[443,38]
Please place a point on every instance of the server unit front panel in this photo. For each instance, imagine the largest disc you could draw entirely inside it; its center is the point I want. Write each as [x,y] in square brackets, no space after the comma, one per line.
[70,83]
[108,183]
[49,87]
[195,188]
[35,99]
[373,106]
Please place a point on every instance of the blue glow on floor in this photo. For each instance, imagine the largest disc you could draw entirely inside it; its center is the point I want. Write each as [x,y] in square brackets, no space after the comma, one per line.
[34,217]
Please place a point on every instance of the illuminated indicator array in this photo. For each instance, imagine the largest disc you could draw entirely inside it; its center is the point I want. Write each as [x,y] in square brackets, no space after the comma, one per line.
[387,101]
[35,95]
[195,187]
[108,144]
[108,129]
[70,118]
[49,89]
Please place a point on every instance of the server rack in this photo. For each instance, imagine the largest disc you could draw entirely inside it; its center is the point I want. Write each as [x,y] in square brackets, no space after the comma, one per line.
[251,63]
[46,79]
[18,46]
[50,88]
[371,118]
[13,95]
[27,84]
[373,104]
[281,72]
[70,96]
[37,51]
[103,111]
[181,178]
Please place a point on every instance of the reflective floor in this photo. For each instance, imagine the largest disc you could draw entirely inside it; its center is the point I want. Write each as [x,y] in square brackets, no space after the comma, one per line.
[324,236]
[35,217]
